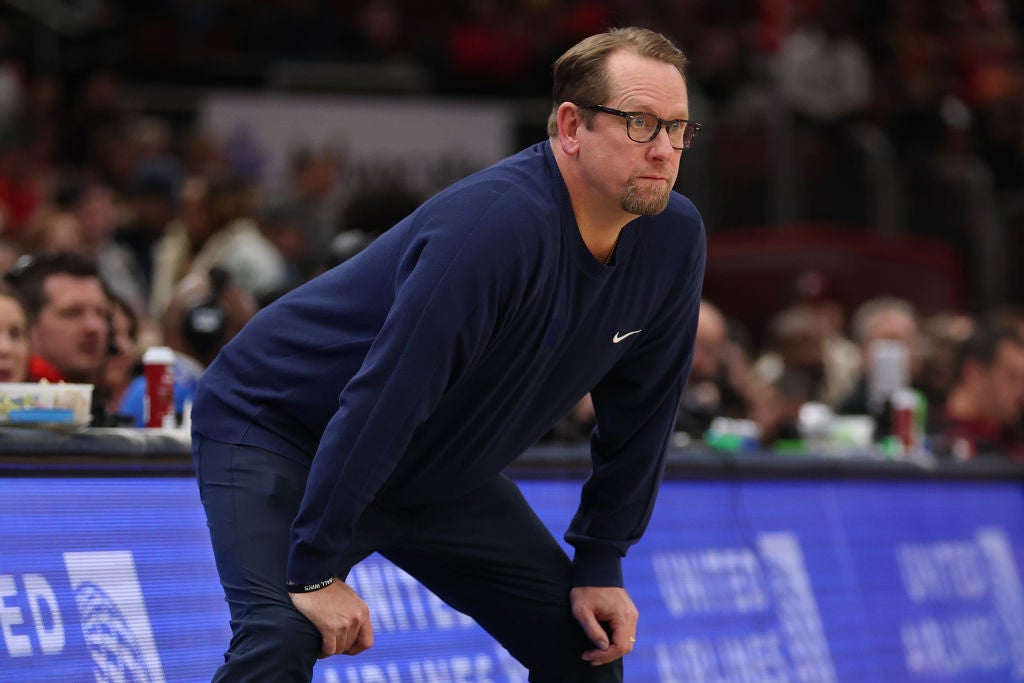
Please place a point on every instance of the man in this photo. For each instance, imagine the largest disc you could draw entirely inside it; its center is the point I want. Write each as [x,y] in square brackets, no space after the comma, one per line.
[206,311]
[69,316]
[986,402]
[722,382]
[881,319]
[374,408]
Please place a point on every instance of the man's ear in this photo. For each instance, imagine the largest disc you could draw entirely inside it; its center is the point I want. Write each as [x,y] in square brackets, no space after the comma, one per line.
[569,123]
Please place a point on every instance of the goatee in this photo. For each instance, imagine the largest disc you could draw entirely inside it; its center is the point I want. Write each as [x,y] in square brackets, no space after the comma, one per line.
[644,203]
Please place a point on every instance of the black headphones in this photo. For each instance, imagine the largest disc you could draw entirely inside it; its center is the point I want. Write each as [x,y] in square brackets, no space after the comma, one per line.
[204,324]
[112,348]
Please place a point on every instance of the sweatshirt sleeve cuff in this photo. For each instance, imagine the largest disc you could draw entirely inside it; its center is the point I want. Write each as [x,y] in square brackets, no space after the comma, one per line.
[597,566]
[306,565]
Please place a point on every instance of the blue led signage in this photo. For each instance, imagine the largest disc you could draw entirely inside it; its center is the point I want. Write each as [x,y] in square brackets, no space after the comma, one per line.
[112,580]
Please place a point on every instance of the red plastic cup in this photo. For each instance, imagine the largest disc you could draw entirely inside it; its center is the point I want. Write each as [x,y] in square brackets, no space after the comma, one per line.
[904,419]
[158,364]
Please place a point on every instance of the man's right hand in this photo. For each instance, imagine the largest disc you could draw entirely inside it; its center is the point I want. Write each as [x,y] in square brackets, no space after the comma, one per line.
[340,615]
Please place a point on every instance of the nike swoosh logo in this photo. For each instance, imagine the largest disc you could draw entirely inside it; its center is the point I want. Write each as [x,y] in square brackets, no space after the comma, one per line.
[619,337]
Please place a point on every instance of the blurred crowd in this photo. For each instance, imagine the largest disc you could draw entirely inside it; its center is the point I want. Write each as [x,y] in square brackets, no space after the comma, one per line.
[927,93]
[122,229]
[965,373]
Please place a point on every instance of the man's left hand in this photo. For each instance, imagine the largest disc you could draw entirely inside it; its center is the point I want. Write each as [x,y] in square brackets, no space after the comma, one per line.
[598,607]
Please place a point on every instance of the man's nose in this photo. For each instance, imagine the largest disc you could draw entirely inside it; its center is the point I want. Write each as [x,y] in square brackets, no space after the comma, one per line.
[97,322]
[661,144]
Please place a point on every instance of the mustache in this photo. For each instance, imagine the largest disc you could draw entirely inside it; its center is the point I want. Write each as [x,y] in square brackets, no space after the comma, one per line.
[664,172]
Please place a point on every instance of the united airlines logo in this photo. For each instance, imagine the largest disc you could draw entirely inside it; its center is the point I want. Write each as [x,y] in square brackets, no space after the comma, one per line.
[117,644]
[113,617]
[766,584]
[967,620]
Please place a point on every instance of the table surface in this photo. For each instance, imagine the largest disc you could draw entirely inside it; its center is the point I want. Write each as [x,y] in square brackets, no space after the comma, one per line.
[155,452]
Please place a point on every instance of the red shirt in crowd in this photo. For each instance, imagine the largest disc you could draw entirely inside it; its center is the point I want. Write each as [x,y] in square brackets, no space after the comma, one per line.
[966,438]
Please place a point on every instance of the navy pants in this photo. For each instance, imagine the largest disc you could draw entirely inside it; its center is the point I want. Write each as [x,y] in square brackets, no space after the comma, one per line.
[486,555]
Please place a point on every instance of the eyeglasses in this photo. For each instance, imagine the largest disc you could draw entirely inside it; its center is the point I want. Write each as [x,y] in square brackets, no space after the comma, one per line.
[644,127]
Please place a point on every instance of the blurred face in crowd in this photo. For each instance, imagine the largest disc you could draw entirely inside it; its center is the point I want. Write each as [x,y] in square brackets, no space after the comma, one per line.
[893,325]
[13,341]
[97,215]
[118,366]
[153,211]
[710,344]
[53,231]
[64,234]
[1002,384]
[798,335]
[71,330]
[941,336]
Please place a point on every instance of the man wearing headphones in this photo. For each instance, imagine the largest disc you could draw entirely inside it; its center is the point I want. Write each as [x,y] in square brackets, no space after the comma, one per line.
[206,311]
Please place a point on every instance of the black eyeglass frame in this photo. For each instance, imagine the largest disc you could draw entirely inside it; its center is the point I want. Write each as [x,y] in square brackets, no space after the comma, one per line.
[696,127]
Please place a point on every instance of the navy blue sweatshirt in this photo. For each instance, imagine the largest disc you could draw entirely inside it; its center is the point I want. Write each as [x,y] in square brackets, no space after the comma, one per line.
[423,366]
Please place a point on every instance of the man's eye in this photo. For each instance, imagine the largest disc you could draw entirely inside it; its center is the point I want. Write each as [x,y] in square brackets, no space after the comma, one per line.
[638,121]
[674,126]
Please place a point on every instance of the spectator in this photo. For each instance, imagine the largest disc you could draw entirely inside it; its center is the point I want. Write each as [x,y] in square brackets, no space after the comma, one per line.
[778,413]
[311,199]
[94,130]
[96,206]
[202,154]
[942,335]
[152,141]
[822,70]
[171,254]
[206,311]
[14,343]
[1012,317]
[368,214]
[68,313]
[818,293]
[122,364]
[721,382]
[985,405]
[824,75]
[799,343]
[283,225]
[152,203]
[1009,316]
[52,230]
[881,319]
[215,228]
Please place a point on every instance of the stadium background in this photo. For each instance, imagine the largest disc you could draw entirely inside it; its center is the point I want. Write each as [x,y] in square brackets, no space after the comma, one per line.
[855,134]
[877,144]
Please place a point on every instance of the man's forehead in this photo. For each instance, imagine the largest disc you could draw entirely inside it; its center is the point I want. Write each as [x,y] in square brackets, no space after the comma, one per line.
[66,286]
[641,82]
